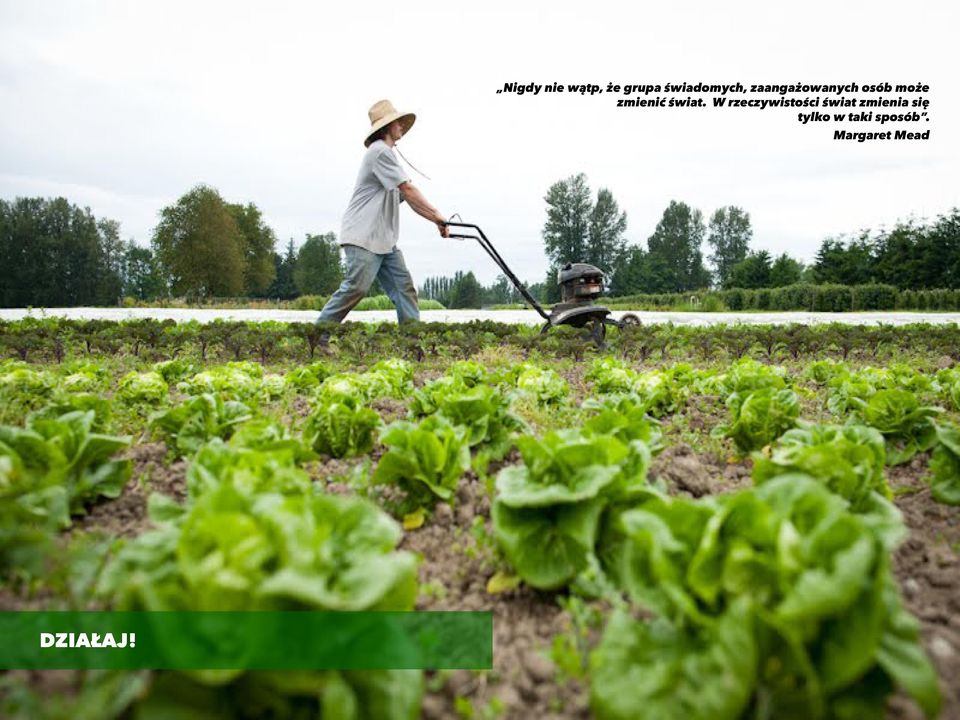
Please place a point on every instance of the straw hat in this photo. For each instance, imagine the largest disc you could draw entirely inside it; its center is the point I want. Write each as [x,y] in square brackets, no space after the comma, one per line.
[382,114]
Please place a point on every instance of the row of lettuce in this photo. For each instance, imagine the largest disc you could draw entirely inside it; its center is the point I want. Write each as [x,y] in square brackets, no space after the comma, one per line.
[59,339]
[777,600]
[254,532]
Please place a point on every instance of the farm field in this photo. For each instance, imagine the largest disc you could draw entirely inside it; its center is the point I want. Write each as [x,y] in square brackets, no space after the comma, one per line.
[526,317]
[703,522]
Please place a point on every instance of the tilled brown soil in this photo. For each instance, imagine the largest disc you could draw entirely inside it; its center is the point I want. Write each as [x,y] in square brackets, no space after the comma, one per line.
[457,563]
[927,565]
[126,515]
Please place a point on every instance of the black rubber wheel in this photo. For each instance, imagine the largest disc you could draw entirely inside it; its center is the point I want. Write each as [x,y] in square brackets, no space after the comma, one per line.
[629,319]
[546,326]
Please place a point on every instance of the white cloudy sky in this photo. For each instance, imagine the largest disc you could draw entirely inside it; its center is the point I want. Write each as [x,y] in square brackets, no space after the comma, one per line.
[124,106]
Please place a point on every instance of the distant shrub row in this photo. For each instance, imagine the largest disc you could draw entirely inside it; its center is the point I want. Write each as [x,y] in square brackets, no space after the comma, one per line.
[815,298]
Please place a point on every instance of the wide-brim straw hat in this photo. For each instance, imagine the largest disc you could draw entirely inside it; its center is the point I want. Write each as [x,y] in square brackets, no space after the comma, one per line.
[383,113]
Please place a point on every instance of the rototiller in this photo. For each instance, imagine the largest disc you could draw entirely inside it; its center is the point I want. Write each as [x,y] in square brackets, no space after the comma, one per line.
[580,285]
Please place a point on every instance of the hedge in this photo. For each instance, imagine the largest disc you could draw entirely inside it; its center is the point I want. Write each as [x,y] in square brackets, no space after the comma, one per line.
[802,296]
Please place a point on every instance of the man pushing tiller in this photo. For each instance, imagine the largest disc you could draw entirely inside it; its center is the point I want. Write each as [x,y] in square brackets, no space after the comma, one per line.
[371,224]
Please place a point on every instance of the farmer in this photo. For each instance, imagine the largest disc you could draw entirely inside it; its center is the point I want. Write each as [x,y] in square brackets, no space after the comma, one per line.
[371,223]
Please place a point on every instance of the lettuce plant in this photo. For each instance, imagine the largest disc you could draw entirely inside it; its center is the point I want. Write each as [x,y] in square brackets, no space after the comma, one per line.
[250,469]
[469,372]
[845,391]
[748,375]
[624,417]
[66,449]
[945,465]
[173,370]
[850,390]
[823,371]
[22,387]
[760,417]
[610,375]
[34,503]
[83,376]
[658,393]
[261,433]
[485,414]
[353,386]
[272,386]
[907,426]
[427,400]
[48,471]
[426,460]
[147,387]
[547,511]
[341,427]
[64,402]
[776,597]
[544,385]
[390,378]
[948,386]
[238,546]
[308,376]
[187,426]
[848,459]
[233,381]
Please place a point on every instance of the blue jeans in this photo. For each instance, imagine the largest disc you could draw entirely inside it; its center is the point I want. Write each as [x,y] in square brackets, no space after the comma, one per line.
[363,267]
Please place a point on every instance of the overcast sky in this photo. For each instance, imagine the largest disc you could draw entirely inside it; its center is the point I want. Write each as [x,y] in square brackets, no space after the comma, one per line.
[124,106]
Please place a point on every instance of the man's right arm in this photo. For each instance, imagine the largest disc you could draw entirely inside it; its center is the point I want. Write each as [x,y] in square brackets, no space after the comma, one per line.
[421,207]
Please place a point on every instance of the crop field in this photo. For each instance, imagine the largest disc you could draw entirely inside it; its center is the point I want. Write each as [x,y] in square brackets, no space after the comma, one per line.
[718,522]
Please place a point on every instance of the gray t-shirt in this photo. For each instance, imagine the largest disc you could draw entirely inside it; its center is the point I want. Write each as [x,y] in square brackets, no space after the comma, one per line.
[372,219]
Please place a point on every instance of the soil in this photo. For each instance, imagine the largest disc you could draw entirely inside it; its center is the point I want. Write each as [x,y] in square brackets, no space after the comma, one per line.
[457,563]
[927,565]
[126,515]
[389,409]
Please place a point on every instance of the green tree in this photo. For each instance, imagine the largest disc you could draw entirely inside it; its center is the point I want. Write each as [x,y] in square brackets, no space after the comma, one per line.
[283,285]
[566,231]
[729,236]
[500,292]
[920,256]
[630,277]
[466,292]
[112,251]
[73,235]
[674,250]
[897,256]
[199,245]
[551,287]
[536,291]
[318,270]
[785,271]
[605,242]
[944,243]
[142,277]
[850,264]
[258,248]
[751,272]
[51,253]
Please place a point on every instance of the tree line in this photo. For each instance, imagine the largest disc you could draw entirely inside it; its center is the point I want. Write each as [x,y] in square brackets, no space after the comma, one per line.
[55,253]
[581,229]
[463,290]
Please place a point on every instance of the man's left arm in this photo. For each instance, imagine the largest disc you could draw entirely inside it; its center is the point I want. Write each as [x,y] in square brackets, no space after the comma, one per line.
[422,207]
